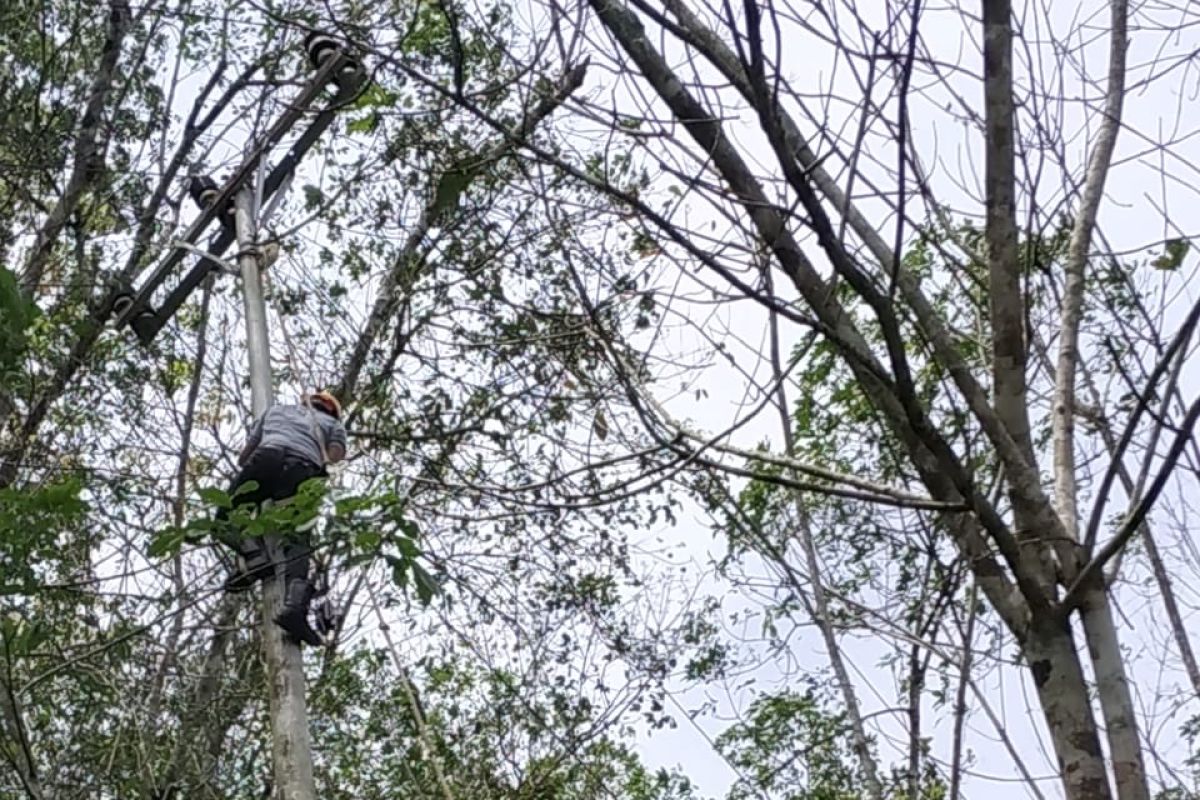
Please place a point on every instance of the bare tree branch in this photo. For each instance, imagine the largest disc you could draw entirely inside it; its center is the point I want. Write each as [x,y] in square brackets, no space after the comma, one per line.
[1074,270]
[88,154]
[408,263]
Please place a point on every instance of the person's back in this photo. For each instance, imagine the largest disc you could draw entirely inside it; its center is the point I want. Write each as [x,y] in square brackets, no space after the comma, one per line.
[300,432]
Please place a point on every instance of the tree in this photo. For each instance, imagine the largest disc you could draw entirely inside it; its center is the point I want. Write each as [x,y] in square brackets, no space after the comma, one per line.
[145,680]
[953,412]
[537,224]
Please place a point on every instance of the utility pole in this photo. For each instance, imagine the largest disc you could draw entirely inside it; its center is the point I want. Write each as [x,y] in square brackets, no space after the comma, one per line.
[258,341]
[235,205]
[290,746]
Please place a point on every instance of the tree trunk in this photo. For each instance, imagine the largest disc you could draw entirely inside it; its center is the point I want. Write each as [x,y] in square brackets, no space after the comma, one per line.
[1049,651]
[1112,687]
[1031,614]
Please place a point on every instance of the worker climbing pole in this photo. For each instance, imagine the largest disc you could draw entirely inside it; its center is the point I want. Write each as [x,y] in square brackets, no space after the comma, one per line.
[235,205]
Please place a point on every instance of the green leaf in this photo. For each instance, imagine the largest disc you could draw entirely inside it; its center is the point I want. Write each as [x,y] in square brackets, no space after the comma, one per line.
[365,124]
[245,488]
[17,313]
[367,540]
[451,185]
[375,96]
[408,547]
[217,497]
[344,506]
[313,197]
[426,585]
[1176,251]
[166,542]
[399,570]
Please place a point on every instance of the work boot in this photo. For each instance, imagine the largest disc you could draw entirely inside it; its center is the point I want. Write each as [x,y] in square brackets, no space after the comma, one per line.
[294,616]
[253,565]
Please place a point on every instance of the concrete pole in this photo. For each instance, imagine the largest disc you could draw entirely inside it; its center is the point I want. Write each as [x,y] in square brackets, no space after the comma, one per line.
[257,341]
[290,746]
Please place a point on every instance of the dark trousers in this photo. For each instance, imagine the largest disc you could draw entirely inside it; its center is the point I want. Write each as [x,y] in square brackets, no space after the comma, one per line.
[278,475]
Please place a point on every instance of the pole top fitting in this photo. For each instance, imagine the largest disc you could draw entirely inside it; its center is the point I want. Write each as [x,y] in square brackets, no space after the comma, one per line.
[321,47]
[203,190]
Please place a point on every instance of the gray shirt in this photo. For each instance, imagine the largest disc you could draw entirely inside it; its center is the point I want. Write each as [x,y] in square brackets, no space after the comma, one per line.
[293,429]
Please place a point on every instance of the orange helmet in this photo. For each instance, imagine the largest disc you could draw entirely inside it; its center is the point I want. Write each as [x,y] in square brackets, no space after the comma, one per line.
[327,403]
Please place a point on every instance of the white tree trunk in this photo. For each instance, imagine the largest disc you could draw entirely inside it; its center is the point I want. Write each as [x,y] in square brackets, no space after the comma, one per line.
[1049,651]
[1112,688]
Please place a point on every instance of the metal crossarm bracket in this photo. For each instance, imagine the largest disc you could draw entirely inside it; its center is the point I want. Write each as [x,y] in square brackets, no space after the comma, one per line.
[335,67]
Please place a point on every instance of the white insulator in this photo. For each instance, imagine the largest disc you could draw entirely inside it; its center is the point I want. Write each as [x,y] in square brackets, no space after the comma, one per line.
[320,47]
